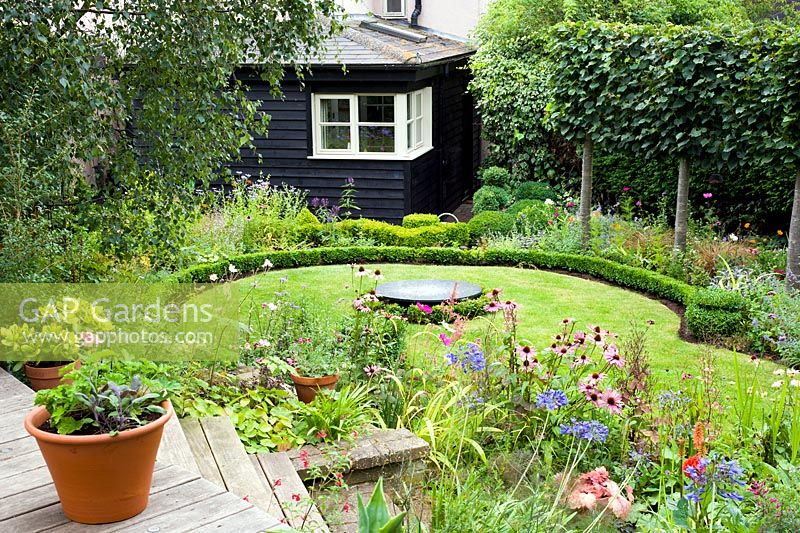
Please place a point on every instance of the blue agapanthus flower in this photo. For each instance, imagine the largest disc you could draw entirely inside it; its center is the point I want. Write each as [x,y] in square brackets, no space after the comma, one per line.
[551,399]
[589,430]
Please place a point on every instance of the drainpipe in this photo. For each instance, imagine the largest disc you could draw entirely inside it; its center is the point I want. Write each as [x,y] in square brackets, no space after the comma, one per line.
[416,12]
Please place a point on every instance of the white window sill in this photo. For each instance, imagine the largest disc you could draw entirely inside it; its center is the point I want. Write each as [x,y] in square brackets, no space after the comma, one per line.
[390,157]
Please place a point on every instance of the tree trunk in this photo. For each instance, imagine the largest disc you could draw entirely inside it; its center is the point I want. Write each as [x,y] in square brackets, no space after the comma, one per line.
[586,192]
[682,207]
[793,255]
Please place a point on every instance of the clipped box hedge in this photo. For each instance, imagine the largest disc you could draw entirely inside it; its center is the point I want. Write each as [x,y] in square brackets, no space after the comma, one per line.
[418,220]
[712,314]
[626,276]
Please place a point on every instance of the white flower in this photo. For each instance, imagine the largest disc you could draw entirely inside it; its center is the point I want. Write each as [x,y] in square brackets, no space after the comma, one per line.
[795,383]
[549,202]
[733,237]
[779,372]
[267,264]
[213,277]
[232,269]
[271,306]
[792,372]
[376,275]
[778,384]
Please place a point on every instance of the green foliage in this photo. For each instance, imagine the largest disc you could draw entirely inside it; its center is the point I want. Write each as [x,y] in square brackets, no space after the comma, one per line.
[534,218]
[305,216]
[336,415]
[265,419]
[374,517]
[69,122]
[521,205]
[716,313]
[488,223]
[495,177]
[511,91]
[106,409]
[419,220]
[490,198]
[535,190]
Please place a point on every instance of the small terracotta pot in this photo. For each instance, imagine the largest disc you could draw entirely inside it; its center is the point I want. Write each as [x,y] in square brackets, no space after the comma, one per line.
[48,377]
[307,387]
[100,478]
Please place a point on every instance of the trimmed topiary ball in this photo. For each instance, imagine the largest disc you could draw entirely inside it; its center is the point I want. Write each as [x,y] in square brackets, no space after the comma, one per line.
[489,198]
[491,223]
[495,177]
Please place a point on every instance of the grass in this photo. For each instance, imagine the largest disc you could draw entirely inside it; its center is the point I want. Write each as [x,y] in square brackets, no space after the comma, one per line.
[545,298]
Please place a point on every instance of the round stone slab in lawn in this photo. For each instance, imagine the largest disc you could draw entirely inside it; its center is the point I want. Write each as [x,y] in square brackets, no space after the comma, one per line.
[426,291]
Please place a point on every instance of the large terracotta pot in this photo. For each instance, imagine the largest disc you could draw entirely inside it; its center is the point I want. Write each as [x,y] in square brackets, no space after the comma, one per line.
[307,387]
[100,478]
[50,376]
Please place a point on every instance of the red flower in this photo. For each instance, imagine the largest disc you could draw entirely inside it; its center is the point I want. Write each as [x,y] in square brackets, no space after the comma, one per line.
[694,462]
[321,435]
[346,507]
[277,482]
[295,497]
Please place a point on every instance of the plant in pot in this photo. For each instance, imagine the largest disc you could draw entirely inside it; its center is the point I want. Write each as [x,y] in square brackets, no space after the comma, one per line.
[45,363]
[47,346]
[317,364]
[100,444]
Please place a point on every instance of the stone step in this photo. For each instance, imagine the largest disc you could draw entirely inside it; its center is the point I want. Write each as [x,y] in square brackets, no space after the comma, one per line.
[380,452]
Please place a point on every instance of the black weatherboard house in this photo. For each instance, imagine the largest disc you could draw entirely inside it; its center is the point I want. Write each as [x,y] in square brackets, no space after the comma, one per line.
[398,120]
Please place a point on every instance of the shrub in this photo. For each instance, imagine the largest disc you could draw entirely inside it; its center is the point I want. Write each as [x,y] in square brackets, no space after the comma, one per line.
[716,313]
[305,216]
[535,190]
[262,232]
[534,218]
[387,234]
[495,177]
[520,205]
[489,198]
[419,220]
[491,222]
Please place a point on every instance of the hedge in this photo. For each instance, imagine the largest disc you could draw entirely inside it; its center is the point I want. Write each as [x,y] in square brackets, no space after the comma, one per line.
[715,313]
[383,233]
[418,220]
[625,276]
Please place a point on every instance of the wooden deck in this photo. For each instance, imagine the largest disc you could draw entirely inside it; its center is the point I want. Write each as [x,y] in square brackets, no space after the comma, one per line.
[180,500]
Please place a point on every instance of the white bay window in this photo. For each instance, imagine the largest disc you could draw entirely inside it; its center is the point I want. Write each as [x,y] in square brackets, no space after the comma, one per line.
[372,126]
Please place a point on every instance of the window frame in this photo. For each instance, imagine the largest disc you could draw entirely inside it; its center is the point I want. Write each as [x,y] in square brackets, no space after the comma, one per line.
[402,118]
[391,14]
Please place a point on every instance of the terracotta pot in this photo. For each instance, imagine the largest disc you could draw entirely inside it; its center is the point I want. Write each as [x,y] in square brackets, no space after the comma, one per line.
[100,478]
[48,377]
[307,387]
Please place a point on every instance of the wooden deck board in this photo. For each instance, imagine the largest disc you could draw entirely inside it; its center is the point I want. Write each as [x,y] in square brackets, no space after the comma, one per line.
[11,386]
[30,479]
[175,449]
[238,473]
[18,402]
[21,463]
[202,452]
[15,448]
[193,516]
[287,485]
[248,521]
[274,505]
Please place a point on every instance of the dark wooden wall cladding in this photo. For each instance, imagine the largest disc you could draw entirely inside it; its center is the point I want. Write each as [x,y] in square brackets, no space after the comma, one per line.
[434,182]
